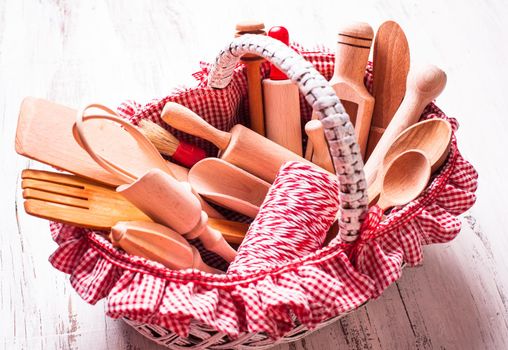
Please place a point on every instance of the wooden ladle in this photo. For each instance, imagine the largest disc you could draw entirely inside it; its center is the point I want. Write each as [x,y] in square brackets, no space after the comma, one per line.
[406,177]
[432,137]
[228,186]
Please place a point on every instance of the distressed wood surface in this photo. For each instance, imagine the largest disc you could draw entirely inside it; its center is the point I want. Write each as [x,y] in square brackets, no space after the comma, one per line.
[73,52]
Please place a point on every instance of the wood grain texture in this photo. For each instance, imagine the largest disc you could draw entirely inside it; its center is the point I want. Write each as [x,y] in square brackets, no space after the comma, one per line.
[75,52]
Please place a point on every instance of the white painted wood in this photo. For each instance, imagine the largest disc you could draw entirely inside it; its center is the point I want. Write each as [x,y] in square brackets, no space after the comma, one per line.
[75,51]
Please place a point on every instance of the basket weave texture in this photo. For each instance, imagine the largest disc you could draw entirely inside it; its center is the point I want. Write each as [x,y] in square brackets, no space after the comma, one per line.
[280,303]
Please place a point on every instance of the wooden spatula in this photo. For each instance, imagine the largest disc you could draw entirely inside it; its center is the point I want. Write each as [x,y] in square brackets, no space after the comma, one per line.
[391,66]
[76,201]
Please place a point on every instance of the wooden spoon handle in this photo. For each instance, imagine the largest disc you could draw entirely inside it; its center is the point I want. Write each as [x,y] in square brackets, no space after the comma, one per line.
[321,155]
[183,119]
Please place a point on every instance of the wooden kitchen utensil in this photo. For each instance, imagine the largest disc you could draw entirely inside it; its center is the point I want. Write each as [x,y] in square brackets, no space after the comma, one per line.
[424,84]
[158,243]
[112,136]
[76,201]
[432,137]
[404,180]
[170,202]
[228,186]
[352,55]
[282,104]
[44,133]
[253,68]
[241,146]
[321,154]
[181,152]
[390,69]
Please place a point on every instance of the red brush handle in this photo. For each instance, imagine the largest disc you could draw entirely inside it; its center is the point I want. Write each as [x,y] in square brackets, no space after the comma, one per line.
[281,34]
[188,155]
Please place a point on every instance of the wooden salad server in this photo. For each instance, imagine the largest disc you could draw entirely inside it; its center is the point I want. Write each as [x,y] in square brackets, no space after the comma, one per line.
[158,243]
[253,68]
[433,137]
[390,69]
[77,201]
[241,146]
[406,177]
[121,148]
[172,203]
[424,84]
[228,186]
[282,104]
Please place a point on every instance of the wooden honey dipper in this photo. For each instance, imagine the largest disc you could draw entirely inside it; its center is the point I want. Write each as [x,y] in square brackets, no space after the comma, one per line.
[253,66]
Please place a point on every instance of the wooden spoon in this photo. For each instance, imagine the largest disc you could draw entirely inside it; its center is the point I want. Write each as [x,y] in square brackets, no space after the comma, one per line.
[432,137]
[406,177]
[228,186]
[391,65]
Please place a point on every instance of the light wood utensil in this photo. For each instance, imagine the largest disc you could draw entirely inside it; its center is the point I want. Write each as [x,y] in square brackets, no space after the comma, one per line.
[228,186]
[181,152]
[353,47]
[241,146]
[76,201]
[424,84]
[282,104]
[432,137]
[253,68]
[44,133]
[158,243]
[404,180]
[321,154]
[172,203]
[391,66]
[106,138]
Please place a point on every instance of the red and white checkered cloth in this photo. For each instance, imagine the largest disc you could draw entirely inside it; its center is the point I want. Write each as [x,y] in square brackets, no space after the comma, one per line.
[333,280]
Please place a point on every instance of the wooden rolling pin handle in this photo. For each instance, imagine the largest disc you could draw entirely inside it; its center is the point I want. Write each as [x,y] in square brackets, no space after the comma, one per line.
[183,119]
[321,155]
[199,264]
[211,239]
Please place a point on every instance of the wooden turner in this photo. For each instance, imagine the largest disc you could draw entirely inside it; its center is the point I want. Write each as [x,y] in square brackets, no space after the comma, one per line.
[76,201]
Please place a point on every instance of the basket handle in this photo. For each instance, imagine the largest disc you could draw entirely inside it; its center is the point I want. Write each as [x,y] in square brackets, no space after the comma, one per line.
[339,131]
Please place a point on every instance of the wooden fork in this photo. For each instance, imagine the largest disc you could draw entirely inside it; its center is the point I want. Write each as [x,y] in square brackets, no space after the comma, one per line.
[74,200]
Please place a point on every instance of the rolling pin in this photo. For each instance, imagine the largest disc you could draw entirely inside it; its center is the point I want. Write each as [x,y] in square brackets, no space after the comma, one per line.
[170,202]
[321,154]
[353,47]
[282,104]
[158,243]
[253,67]
[241,146]
[423,85]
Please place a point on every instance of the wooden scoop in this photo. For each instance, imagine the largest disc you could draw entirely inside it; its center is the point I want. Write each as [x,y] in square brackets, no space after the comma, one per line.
[228,186]
[404,180]
[432,137]
[158,243]
[424,84]
[241,146]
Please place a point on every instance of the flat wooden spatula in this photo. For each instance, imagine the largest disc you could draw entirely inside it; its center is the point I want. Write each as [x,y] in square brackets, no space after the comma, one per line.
[391,66]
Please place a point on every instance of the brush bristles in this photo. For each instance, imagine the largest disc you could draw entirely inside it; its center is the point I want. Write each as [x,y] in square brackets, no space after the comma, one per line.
[162,139]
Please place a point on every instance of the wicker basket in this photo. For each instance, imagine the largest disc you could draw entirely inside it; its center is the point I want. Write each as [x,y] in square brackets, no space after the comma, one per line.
[359,269]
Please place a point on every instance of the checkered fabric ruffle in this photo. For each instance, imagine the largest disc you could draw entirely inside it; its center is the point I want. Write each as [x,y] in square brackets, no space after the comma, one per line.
[320,285]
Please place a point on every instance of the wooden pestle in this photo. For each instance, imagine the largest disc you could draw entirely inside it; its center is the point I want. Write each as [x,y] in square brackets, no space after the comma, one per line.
[158,243]
[424,84]
[170,202]
[241,146]
[253,68]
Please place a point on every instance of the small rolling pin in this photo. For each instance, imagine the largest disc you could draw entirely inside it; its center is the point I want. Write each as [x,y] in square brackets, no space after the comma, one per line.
[282,104]
[353,47]
[241,146]
[424,84]
[158,243]
[253,67]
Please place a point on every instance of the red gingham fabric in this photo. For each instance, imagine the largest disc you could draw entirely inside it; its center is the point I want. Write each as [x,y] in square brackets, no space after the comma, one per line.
[320,285]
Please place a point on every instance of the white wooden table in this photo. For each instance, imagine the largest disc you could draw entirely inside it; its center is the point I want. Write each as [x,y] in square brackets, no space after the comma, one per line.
[73,52]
